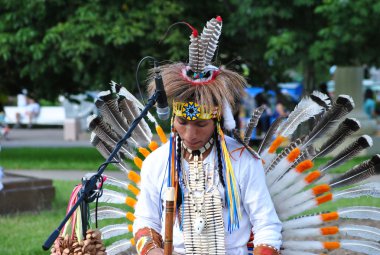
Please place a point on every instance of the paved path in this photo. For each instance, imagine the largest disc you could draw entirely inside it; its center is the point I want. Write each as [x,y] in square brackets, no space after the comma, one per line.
[66,175]
[43,137]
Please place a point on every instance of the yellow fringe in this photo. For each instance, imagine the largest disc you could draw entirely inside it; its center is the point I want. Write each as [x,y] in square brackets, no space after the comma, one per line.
[230,174]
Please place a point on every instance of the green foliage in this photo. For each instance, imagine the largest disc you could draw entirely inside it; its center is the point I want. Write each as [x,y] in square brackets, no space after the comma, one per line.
[32,229]
[51,158]
[59,47]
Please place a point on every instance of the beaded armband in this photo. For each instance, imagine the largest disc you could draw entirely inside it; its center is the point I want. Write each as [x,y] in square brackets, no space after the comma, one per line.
[146,240]
[264,249]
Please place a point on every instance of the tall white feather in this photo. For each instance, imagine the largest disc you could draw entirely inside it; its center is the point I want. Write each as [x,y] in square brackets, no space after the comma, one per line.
[229,121]
[305,110]
[119,247]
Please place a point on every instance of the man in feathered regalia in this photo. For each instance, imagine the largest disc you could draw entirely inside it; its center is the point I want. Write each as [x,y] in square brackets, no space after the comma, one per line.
[221,195]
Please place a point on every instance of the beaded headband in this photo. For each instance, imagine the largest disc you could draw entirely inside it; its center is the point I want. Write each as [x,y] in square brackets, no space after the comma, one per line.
[194,111]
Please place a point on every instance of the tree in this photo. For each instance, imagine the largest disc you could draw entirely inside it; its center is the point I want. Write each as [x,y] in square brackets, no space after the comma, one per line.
[352,36]
[59,46]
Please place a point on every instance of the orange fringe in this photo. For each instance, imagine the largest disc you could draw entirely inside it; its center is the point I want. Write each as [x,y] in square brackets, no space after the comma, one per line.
[133,189]
[161,134]
[130,216]
[293,154]
[331,245]
[138,162]
[324,199]
[144,152]
[130,202]
[330,216]
[304,165]
[312,176]
[153,146]
[329,230]
[132,239]
[320,189]
[276,143]
[134,177]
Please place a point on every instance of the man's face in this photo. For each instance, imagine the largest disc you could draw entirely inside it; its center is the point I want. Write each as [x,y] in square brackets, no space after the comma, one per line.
[194,133]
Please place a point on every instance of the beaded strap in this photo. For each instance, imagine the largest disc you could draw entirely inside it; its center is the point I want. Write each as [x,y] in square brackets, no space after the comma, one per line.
[265,249]
[146,240]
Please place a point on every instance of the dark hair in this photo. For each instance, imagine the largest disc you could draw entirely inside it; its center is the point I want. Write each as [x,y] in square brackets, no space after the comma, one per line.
[368,94]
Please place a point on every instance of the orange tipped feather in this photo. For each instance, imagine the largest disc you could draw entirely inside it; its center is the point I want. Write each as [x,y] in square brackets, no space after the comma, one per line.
[276,143]
[329,230]
[144,152]
[138,162]
[130,202]
[320,189]
[304,165]
[134,177]
[312,176]
[161,134]
[293,154]
[133,241]
[133,189]
[331,245]
[153,146]
[130,216]
[324,199]
[330,216]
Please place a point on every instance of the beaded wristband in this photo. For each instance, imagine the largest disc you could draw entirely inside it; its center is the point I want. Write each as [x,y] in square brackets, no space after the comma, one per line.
[146,240]
[265,249]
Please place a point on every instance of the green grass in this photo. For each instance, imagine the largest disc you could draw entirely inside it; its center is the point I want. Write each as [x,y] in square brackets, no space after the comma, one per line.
[24,233]
[82,158]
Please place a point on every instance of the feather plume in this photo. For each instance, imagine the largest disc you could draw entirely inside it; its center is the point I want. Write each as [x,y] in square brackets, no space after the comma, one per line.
[366,247]
[112,197]
[110,100]
[115,230]
[349,152]
[284,153]
[366,232]
[293,252]
[360,172]
[321,99]
[346,128]
[116,182]
[305,110]
[360,213]
[249,149]
[342,106]
[229,121]
[269,134]
[197,60]
[104,132]
[210,36]
[354,212]
[125,93]
[108,212]
[369,189]
[112,119]
[106,152]
[122,246]
[253,123]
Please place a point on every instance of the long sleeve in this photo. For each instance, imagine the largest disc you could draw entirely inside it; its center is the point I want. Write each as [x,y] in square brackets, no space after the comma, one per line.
[148,208]
[258,203]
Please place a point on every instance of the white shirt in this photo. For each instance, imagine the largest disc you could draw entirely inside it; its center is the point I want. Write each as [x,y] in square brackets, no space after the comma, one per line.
[256,204]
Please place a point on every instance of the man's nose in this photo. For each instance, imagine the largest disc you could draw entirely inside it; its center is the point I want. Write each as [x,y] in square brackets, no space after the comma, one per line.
[191,133]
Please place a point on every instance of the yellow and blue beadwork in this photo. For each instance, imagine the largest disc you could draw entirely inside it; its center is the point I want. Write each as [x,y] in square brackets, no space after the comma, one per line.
[194,111]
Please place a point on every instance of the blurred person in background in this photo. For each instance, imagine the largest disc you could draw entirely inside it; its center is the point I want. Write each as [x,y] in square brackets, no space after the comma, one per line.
[369,104]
